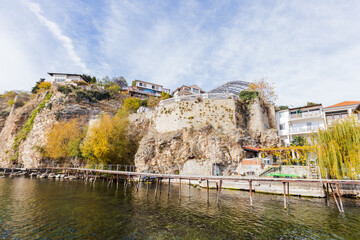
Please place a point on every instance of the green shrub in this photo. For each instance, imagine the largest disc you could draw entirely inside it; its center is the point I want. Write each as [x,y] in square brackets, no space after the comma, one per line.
[11,102]
[99,95]
[64,89]
[83,95]
[248,96]
[24,132]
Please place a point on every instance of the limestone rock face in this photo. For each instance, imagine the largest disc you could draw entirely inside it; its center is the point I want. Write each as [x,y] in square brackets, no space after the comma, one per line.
[170,152]
[58,108]
[204,148]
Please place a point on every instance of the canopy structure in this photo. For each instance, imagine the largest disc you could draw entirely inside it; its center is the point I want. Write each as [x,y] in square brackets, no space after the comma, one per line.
[234,87]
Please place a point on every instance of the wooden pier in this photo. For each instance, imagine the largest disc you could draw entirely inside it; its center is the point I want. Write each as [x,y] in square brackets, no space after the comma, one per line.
[131,176]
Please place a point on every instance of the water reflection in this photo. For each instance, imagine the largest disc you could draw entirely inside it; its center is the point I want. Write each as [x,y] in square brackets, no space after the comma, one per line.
[41,208]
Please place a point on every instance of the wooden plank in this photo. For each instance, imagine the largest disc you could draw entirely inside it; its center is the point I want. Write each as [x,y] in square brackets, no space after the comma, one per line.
[338,192]
[336,201]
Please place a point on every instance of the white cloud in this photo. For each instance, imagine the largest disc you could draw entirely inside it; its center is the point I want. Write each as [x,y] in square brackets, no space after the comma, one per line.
[310,50]
[57,33]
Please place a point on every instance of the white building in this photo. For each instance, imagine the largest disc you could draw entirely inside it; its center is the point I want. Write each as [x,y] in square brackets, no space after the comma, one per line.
[301,121]
[142,89]
[65,77]
[187,90]
[340,111]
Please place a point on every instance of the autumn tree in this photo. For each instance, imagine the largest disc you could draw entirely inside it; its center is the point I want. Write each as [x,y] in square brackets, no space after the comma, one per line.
[152,101]
[63,140]
[266,90]
[108,141]
[131,104]
[35,89]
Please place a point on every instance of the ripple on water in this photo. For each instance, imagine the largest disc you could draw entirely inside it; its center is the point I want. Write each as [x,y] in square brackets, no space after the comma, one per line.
[40,209]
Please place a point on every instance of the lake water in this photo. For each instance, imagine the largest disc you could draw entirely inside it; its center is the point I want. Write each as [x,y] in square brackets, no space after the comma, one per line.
[53,209]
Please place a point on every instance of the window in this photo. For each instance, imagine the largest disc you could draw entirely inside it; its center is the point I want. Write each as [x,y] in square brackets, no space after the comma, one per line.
[195,90]
[140,84]
[282,126]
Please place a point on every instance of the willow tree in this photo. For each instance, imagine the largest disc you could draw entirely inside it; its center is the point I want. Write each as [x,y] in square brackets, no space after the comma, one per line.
[338,149]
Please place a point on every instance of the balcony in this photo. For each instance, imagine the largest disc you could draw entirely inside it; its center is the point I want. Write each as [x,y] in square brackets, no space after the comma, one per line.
[304,115]
[304,129]
[136,90]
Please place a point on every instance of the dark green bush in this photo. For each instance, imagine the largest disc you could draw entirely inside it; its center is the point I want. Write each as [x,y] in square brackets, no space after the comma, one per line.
[83,95]
[100,95]
[64,89]
[248,96]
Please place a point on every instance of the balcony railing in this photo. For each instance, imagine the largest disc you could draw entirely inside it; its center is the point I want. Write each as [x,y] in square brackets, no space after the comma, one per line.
[305,115]
[145,92]
[304,129]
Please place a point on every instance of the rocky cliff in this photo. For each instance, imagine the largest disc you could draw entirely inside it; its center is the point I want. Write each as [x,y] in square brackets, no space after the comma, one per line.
[192,136]
[25,127]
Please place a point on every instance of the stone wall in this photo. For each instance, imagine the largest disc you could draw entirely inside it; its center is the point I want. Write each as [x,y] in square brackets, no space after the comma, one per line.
[196,113]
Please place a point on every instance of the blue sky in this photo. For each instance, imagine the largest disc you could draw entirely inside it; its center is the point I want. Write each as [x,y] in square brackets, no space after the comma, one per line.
[310,50]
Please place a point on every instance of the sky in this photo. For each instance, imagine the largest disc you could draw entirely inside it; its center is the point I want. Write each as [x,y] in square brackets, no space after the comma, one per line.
[310,50]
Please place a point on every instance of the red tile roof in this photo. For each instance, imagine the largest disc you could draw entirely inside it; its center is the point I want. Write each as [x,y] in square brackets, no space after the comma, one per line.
[255,149]
[345,103]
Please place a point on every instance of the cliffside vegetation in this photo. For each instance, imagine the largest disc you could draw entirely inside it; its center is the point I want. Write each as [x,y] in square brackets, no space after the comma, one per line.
[106,141]
[25,130]
[265,89]
[338,149]
[63,140]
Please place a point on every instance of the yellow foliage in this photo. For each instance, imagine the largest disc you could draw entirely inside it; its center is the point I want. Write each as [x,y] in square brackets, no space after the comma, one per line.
[63,140]
[266,90]
[338,149]
[108,141]
[44,86]
[131,104]
[152,101]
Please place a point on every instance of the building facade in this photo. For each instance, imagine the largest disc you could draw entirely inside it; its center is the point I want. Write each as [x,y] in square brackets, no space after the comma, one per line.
[340,111]
[142,89]
[65,77]
[301,121]
[187,90]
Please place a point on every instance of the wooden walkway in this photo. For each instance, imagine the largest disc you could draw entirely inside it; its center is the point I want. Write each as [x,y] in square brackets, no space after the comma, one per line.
[327,184]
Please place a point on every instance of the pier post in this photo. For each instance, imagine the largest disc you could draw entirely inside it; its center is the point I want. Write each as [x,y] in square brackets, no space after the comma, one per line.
[250,189]
[288,194]
[219,191]
[147,187]
[156,188]
[207,189]
[160,183]
[338,193]
[327,195]
[336,201]
[284,183]
[169,188]
[137,186]
[180,189]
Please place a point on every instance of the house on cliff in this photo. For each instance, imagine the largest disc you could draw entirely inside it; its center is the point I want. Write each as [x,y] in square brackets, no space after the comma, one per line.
[187,90]
[66,77]
[142,89]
